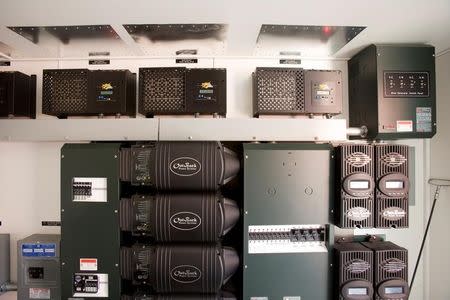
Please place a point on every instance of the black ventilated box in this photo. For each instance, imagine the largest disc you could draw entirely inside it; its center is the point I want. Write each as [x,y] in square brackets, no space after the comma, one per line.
[286,91]
[390,271]
[187,268]
[17,95]
[172,91]
[181,217]
[392,191]
[392,91]
[81,92]
[354,271]
[356,186]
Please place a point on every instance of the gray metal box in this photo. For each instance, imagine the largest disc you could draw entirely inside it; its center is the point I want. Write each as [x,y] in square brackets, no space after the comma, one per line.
[38,267]
[288,191]
[4,258]
[90,233]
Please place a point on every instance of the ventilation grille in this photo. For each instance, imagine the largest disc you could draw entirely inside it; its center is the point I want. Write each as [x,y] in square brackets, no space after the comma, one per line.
[357,159]
[126,263]
[126,215]
[392,212]
[356,265]
[391,264]
[357,212]
[162,91]
[392,159]
[125,164]
[280,90]
[65,92]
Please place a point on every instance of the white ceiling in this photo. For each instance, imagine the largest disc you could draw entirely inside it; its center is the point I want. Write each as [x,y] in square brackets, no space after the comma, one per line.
[387,21]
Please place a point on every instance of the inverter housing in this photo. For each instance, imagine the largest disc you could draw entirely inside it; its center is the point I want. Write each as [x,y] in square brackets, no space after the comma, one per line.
[287,91]
[38,267]
[145,296]
[17,95]
[356,185]
[392,91]
[83,92]
[182,91]
[183,217]
[354,271]
[179,268]
[392,188]
[179,166]
[390,271]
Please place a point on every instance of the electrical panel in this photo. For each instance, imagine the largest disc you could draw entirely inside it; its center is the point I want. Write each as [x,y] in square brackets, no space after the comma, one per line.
[17,95]
[183,268]
[355,186]
[392,91]
[175,91]
[286,91]
[38,267]
[288,191]
[179,166]
[354,271]
[203,217]
[390,271]
[4,258]
[392,191]
[82,92]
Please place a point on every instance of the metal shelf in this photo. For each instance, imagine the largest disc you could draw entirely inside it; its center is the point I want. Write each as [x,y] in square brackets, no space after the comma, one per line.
[176,129]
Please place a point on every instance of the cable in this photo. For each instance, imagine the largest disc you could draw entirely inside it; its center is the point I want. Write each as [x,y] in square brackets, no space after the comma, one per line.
[438,183]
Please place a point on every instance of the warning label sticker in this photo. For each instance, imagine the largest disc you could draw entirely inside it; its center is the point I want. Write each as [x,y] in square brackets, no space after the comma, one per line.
[424,119]
[405,126]
[88,264]
[39,293]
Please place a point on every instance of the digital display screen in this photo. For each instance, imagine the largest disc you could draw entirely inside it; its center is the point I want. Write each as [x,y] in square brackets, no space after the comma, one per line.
[391,184]
[106,92]
[358,185]
[393,290]
[323,93]
[357,291]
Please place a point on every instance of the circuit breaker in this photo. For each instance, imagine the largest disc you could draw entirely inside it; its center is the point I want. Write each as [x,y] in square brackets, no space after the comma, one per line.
[38,267]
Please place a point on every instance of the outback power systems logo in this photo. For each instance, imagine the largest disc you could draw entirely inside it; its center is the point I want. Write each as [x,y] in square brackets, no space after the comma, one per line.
[394,213]
[358,213]
[185,166]
[186,274]
[185,221]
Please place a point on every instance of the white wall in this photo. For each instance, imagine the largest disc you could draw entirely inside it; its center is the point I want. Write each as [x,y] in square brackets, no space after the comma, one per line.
[29,172]
[440,167]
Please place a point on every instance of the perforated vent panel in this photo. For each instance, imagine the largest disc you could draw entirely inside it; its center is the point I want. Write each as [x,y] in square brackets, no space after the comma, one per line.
[392,212]
[392,159]
[357,159]
[65,92]
[357,212]
[279,90]
[162,91]
[391,264]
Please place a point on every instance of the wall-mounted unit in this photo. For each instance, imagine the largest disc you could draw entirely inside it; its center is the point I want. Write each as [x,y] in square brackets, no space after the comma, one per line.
[38,267]
[392,186]
[187,268]
[355,186]
[179,166]
[17,95]
[392,91]
[183,217]
[354,271]
[149,296]
[390,271]
[182,91]
[4,258]
[295,91]
[82,92]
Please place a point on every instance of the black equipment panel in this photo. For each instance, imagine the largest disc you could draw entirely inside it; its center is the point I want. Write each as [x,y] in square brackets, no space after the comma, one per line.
[85,283]
[406,84]
[17,95]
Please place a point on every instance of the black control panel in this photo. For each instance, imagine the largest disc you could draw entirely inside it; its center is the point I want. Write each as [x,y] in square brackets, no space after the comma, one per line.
[84,283]
[406,84]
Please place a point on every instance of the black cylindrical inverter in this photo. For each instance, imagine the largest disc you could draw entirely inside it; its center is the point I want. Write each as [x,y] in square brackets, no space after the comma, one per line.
[192,268]
[144,296]
[184,217]
[179,166]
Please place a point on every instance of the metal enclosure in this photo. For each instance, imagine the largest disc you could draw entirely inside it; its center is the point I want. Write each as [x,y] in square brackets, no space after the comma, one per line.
[17,95]
[288,192]
[4,258]
[90,245]
[392,91]
[38,267]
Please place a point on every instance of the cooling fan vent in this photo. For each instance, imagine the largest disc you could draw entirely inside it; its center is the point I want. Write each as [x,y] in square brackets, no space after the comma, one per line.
[393,265]
[357,266]
[358,159]
[393,159]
